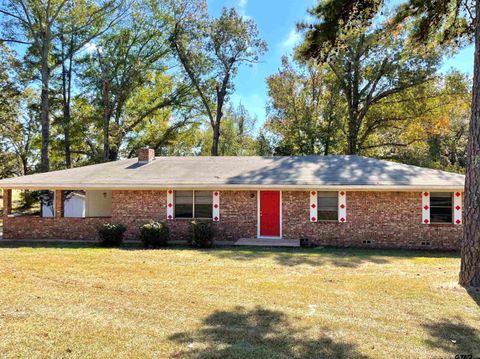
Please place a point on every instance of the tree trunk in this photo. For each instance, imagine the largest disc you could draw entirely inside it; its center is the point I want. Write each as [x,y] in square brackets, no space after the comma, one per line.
[352,136]
[67,93]
[66,74]
[470,263]
[45,107]
[216,138]
[106,121]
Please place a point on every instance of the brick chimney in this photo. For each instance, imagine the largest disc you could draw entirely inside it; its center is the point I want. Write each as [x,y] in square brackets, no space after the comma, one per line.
[146,155]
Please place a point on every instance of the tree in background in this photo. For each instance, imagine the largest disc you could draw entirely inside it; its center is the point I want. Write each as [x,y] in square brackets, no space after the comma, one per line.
[432,123]
[127,79]
[18,118]
[372,67]
[211,52]
[447,23]
[37,24]
[304,110]
[237,134]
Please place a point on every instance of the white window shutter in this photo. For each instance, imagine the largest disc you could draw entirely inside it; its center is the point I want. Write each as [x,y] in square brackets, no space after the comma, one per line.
[425,207]
[457,208]
[342,206]
[313,206]
[216,206]
[170,204]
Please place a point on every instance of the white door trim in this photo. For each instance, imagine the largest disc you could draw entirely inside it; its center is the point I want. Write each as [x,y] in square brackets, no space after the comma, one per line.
[258,216]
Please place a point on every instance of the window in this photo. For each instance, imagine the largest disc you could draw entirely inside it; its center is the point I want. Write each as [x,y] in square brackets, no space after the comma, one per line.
[441,208]
[183,204]
[203,204]
[193,204]
[327,203]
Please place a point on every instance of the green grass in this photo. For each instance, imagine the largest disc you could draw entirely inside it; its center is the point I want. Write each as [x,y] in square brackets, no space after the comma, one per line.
[81,302]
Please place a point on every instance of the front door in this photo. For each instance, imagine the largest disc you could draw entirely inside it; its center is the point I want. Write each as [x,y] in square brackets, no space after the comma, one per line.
[269,214]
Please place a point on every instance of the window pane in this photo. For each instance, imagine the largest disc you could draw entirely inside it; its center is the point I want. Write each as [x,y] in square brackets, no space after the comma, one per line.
[441,201]
[183,211]
[203,197]
[203,211]
[441,215]
[327,215]
[183,197]
[203,204]
[441,207]
[184,204]
[327,203]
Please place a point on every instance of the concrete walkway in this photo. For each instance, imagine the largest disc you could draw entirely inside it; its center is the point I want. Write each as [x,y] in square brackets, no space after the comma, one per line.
[268,242]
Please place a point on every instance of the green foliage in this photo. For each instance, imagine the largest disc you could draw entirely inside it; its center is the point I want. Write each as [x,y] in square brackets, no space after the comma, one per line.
[211,52]
[154,234]
[111,235]
[334,19]
[201,234]
[237,129]
[305,110]
[449,22]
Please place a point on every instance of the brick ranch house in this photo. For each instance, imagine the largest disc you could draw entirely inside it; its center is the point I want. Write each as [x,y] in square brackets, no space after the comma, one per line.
[332,200]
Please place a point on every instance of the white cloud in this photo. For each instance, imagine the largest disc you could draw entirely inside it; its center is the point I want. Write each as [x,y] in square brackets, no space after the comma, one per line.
[242,8]
[291,40]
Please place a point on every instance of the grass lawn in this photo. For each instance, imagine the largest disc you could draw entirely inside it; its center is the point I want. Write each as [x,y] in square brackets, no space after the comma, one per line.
[82,302]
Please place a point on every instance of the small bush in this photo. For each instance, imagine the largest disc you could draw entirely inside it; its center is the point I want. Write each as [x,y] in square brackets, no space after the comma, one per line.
[111,235]
[154,234]
[201,234]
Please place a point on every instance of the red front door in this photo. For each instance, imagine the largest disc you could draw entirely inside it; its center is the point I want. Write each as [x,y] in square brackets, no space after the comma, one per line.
[270,213]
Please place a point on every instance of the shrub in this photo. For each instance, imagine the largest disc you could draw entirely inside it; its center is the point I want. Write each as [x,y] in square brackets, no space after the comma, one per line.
[201,234]
[154,234]
[111,235]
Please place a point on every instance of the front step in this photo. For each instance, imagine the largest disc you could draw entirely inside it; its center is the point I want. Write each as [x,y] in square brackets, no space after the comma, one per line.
[268,242]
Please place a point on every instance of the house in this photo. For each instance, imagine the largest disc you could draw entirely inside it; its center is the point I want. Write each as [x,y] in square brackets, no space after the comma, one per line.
[332,200]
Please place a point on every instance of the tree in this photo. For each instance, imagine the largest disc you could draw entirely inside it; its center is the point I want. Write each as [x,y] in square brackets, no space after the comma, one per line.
[426,123]
[36,23]
[210,52]
[237,134]
[304,109]
[449,22]
[130,62]
[370,68]
[18,118]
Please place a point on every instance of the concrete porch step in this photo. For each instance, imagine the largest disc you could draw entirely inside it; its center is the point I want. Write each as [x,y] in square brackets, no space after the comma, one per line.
[268,242]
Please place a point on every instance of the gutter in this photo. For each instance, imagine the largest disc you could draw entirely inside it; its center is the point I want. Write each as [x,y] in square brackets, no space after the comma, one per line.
[237,187]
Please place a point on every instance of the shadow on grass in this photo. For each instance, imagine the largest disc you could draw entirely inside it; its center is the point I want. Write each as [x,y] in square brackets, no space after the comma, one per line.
[290,257]
[454,337]
[60,244]
[257,333]
[340,257]
[474,293]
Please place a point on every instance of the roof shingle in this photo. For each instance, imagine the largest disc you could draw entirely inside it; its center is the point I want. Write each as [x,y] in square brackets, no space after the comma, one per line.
[240,172]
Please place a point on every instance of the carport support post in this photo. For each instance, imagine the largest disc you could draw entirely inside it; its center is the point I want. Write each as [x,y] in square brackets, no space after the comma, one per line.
[59,204]
[7,202]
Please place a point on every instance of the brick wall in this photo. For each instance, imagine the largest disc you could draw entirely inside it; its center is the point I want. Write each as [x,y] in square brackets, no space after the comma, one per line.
[386,219]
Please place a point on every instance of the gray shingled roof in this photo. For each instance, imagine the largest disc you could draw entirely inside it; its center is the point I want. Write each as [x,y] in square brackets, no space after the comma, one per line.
[244,172]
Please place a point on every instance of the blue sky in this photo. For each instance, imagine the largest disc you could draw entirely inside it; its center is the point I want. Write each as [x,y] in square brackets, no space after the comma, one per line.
[276,21]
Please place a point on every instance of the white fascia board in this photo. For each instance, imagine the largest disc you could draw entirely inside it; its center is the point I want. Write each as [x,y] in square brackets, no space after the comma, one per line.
[226,187]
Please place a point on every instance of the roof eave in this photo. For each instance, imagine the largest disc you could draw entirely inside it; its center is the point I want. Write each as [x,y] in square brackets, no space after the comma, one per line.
[223,186]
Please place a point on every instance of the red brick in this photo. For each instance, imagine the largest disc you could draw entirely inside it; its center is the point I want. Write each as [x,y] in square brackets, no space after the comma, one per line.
[386,219]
